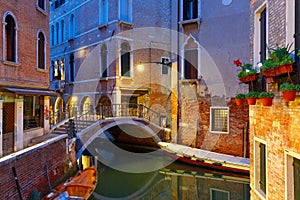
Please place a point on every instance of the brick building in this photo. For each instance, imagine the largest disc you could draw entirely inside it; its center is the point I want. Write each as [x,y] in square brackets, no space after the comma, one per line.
[24,73]
[95,55]
[215,34]
[274,130]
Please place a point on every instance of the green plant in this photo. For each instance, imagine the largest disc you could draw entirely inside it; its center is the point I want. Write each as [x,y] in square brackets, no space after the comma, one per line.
[246,69]
[240,96]
[252,94]
[266,95]
[278,56]
[288,87]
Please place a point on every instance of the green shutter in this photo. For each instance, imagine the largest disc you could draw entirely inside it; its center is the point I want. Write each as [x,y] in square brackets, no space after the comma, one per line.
[262,180]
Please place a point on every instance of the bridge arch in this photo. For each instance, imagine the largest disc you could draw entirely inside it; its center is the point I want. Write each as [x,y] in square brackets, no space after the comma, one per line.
[136,130]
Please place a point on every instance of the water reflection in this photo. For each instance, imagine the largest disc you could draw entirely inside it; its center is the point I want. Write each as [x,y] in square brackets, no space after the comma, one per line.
[176,181]
[173,180]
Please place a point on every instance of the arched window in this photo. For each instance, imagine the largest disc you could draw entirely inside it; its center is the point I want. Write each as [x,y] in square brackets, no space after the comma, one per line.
[72,27]
[62,28]
[104,61]
[41,48]
[52,35]
[191,59]
[72,68]
[125,59]
[62,69]
[57,33]
[10,39]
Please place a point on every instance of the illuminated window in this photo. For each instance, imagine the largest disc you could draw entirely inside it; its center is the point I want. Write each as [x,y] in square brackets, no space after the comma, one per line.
[219,119]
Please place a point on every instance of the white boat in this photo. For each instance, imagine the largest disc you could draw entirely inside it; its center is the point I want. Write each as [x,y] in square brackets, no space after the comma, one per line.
[205,158]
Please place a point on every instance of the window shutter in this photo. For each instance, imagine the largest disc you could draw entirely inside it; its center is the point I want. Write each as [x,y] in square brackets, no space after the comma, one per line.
[262,181]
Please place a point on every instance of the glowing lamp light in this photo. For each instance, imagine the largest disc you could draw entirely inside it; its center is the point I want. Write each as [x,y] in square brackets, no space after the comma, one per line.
[140,67]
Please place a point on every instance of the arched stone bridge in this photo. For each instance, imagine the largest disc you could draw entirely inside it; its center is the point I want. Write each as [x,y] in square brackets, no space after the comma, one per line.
[130,130]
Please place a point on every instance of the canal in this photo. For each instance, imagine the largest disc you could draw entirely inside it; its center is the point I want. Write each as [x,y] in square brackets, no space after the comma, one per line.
[129,172]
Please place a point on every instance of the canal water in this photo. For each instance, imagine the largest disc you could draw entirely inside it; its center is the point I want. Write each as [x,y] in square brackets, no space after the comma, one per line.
[151,174]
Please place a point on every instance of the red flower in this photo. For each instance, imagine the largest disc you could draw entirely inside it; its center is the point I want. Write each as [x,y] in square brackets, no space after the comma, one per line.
[237,62]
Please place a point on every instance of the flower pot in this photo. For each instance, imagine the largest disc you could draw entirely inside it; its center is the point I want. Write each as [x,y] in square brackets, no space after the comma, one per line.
[239,101]
[270,72]
[251,77]
[266,101]
[283,69]
[289,95]
[251,101]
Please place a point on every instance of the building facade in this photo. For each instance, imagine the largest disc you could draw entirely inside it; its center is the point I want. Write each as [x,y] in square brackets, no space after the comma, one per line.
[24,73]
[96,56]
[274,130]
[215,33]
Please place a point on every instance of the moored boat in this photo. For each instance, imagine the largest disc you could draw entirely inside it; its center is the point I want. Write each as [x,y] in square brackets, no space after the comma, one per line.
[80,186]
[205,158]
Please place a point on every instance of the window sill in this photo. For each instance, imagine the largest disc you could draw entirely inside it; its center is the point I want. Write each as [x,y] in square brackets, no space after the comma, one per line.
[190,21]
[260,193]
[42,10]
[102,26]
[10,63]
[125,23]
[125,78]
[219,132]
[41,70]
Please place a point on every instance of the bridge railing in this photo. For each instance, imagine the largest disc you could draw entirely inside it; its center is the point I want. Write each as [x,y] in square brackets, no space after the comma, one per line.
[132,110]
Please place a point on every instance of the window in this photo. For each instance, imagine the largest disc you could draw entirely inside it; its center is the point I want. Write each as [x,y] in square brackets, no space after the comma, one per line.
[297,26]
[219,119]
[263,35]
[190,9]
[42,4]
[292,175]
[216,194]
[125,10]
[103,12]
[62,28]
[41,60]
[165,65]
[33,112]
[10,39]
[52,69]
[72,27]
[103,61]
[62,69]
[57,33]
[52,35]
[191,64]
[260,166]
[58,3]
[72,68]
[125,59]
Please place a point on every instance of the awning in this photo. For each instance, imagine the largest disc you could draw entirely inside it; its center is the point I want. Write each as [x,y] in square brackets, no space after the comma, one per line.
[29,91]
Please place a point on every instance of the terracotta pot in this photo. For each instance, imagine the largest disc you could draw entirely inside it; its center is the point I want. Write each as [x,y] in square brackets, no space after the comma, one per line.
[251,101]
[239,101]
[266,101]
[270,72]
[284,69]
[289,95]
[251,77]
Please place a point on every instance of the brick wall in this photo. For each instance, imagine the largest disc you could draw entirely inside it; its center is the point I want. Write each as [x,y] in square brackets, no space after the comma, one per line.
[278,126]
[195,123]
[29,20]
[31,169]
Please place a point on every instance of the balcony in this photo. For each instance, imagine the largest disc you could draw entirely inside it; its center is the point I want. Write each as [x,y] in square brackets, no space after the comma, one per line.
[58,85]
